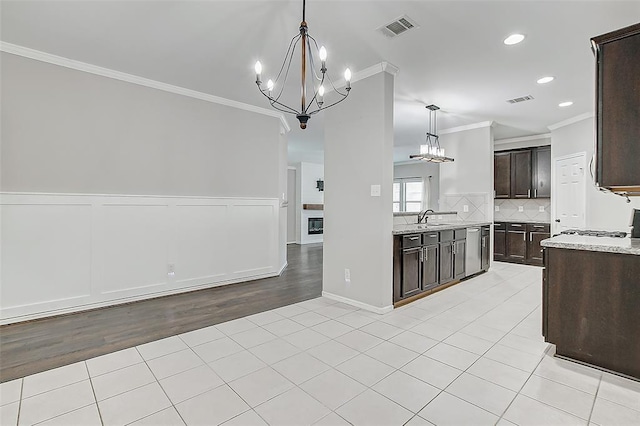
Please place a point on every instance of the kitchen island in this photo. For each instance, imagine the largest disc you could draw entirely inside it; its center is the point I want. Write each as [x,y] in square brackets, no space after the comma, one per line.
[591,301]
[429,257]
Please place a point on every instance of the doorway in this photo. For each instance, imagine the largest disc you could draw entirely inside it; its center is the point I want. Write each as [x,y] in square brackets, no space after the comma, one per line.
[569,193]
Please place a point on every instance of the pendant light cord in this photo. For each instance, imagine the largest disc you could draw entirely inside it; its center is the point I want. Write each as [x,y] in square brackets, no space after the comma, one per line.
[304,7]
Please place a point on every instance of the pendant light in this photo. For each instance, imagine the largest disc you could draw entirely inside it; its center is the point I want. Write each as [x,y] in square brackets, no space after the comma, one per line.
[431,150]
[312,85]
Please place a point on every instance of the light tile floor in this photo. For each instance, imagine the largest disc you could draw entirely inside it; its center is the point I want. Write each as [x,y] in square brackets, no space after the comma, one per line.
[469,355]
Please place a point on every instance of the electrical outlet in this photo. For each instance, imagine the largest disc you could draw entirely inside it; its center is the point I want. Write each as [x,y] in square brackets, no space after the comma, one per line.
[347,275]
[497,208]
[171,269]
[520,208]
[541,208]
[375,190]
[465,208]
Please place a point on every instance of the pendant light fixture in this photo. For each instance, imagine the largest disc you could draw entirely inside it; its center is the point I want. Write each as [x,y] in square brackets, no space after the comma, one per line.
[431,151]
[312,85]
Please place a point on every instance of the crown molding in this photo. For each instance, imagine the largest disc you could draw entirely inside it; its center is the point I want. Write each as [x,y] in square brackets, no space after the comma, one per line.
[571,120]
[38,55]
[524,138]
[467,127]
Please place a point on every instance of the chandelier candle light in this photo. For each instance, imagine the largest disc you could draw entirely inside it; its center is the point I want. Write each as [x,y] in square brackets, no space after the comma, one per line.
[431,151]
[316,103]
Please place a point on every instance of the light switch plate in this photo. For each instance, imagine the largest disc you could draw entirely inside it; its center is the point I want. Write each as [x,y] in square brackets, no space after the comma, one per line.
[375,190]
[497,208]
[465,208]
[520,208]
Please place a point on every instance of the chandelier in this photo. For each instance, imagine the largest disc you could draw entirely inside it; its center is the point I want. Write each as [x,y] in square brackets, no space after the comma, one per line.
[431,150]
[311,83]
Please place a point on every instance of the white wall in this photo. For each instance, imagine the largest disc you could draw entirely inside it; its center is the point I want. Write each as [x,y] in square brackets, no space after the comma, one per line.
[358,227]
[470,176]
[603,211]
[65,131]
[422,170]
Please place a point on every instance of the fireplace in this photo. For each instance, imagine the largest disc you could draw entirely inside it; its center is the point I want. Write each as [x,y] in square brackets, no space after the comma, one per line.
[315,225]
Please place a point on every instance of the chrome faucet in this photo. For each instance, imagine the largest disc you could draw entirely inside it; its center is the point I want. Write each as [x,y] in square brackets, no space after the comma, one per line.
[423,215]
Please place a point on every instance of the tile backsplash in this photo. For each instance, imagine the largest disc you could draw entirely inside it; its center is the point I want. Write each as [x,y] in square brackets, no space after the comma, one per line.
[531,210]
[476,205]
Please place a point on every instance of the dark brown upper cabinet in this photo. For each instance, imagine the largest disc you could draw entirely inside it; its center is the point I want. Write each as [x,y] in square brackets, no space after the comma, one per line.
[502,175]
[618,109]
[523,173]
[541,173]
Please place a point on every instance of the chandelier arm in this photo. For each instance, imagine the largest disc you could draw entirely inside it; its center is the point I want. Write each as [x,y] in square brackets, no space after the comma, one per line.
[336,90]
[273,101]
[289,55]
[330,105]
[286,74]
[313,68]
[314,99]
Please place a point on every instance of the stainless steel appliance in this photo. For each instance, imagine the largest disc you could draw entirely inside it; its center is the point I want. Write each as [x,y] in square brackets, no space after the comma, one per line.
[474,252]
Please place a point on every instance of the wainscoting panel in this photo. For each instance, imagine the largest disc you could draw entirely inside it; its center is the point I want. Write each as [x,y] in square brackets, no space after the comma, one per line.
[63,253]
[46,254]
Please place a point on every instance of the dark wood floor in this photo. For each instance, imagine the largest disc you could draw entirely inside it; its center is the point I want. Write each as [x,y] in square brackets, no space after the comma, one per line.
[34,346]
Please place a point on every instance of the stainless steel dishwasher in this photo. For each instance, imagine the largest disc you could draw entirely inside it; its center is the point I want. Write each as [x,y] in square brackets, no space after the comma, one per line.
[474,251]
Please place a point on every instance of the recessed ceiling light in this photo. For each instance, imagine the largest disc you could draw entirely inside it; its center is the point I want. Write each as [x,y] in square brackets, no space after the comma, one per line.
[544,80]
[565,104]
[513,39]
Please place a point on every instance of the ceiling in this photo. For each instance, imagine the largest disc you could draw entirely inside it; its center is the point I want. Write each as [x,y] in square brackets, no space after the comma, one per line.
[455,58]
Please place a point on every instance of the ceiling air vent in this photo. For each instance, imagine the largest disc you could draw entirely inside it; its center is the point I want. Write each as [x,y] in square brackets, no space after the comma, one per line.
[398,26]
[520,99]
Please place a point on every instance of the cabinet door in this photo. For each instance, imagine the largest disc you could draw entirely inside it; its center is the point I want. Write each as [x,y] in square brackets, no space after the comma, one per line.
[446,262]
[411,265]
[521,174]
[534,249]
[542,172]
[499,244]
[459,259]
[617,106]
[484,252]
[430,267]
[517,245]
[502,175]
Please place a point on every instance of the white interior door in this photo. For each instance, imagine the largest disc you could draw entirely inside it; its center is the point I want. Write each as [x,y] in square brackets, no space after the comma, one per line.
[569,194]
[291,208]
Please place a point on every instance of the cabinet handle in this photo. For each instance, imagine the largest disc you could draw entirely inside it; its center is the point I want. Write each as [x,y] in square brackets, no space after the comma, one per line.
[528,193]
[422,255]
[426,254]
[515,224]
[433,235]
[535,193]
[524,236]
[413,238]
[530,236]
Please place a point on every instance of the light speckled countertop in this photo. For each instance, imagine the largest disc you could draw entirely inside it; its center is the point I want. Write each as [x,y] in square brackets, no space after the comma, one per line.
[584,242]
[522,221]
[435,226]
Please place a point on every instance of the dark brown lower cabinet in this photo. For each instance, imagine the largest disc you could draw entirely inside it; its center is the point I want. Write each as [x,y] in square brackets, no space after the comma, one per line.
[485,248]
[459,259]
[535,234]
[590,308]
[446,262]
[500,241]
[430,267]
[516,242]
[411,268]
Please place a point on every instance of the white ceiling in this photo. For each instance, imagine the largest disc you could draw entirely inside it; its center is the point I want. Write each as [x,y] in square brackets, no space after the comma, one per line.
[455,59]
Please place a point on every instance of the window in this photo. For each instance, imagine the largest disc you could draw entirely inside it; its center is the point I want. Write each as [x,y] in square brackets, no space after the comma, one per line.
[408,194]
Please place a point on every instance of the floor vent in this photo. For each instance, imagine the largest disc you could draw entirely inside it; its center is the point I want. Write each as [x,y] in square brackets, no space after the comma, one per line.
[398,26]
[521,99]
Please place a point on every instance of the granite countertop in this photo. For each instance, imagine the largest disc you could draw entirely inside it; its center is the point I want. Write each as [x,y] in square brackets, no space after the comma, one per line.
[584,242]
[435,226]
[546,222]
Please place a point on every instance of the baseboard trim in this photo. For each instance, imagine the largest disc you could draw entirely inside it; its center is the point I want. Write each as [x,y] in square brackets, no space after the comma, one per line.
[125,300]
[283,268]
[365,306]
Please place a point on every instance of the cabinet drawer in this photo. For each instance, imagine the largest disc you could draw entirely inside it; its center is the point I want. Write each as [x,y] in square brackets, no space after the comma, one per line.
[411,240]
[517,227]
[501,226]
[539,227]
[460,234]
[485,230]
[430,238]
[446,235]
